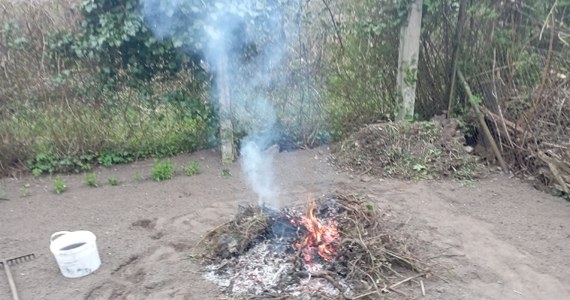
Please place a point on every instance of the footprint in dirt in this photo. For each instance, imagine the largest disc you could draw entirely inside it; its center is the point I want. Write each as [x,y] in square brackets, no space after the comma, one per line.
[182,226]
[146,273]
[185,224]
[130,270]
[145,224]
[108,290]
[149,225]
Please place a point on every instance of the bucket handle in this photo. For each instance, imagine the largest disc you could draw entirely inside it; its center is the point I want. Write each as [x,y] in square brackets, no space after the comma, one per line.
[57,235]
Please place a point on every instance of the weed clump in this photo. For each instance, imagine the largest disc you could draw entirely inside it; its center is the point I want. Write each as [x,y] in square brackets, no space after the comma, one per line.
[192,168]
[162,170]
[25,190]
[91,180]
[226,172]
[113,181]
[138,177]
[421,150]
[59,185]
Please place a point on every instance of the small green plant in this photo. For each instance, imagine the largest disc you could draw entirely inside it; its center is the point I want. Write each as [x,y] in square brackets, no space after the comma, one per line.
[192,168]
[25,190]
[138,177]
[420,168]
[59,185]
[467,172]
[162,170]
[37,172]
[48,163]
[91,179]
[113,181]
[112,158]
[226,172]
[42,163]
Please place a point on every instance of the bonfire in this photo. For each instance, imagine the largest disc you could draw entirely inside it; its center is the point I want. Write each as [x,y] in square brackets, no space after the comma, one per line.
[339,247]
[321,238]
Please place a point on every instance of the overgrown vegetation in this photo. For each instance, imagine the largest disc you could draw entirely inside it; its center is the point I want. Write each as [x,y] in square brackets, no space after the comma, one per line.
[68,104]
[85,84]
[362,78]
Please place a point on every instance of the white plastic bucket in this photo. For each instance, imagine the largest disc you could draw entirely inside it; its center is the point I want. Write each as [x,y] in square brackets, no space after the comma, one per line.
[75,252]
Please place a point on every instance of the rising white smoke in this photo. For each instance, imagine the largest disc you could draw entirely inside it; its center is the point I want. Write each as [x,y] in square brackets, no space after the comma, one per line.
[222,30]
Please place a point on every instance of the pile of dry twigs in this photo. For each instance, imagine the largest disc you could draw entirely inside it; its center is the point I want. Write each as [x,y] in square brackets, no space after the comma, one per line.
[375,251]
[420,150]
[374,254]
[536,143]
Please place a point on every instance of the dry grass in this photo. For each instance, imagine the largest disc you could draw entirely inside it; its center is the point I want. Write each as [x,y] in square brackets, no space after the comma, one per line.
[26,72]
[63,111]
[25,69]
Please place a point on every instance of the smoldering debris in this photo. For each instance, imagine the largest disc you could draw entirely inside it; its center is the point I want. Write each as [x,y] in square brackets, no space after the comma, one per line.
[253,256]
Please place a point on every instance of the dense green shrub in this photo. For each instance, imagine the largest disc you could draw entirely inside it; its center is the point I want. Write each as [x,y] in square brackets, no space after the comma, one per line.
[113,35]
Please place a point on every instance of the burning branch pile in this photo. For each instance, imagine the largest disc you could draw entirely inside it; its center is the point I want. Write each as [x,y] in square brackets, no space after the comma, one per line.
[321,238]
[342,247]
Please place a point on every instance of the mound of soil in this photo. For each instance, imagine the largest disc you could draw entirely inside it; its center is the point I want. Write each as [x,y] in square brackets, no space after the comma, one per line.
[421,150]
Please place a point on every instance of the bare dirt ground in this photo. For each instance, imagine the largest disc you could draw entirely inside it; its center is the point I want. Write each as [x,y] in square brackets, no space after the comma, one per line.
[494,239]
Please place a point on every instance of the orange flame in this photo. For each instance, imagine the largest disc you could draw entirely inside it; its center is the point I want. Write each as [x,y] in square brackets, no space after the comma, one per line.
[321,236]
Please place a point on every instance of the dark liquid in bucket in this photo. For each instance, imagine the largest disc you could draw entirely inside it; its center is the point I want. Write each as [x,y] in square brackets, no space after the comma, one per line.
[72,246]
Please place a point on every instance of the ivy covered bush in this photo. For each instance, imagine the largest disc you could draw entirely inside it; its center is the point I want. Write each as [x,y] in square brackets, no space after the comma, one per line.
[108,92]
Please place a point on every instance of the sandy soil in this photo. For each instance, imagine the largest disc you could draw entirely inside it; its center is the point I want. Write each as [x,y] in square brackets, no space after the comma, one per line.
[495,239]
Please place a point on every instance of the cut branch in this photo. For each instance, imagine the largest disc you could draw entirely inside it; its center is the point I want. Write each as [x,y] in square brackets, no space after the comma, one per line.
[482,123]
[554,165]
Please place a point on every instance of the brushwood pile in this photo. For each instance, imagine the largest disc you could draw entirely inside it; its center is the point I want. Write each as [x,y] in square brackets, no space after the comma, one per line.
[405,150]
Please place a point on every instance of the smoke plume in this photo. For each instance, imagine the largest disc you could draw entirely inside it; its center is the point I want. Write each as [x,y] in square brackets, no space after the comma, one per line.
[243,42]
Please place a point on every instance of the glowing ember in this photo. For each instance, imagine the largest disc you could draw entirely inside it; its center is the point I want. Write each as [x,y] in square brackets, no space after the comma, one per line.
[321,236]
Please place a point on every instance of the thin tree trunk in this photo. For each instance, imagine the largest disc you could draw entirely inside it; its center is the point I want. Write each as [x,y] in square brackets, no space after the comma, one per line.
[408,59]
[482,123]
[455,55]
[226,127]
